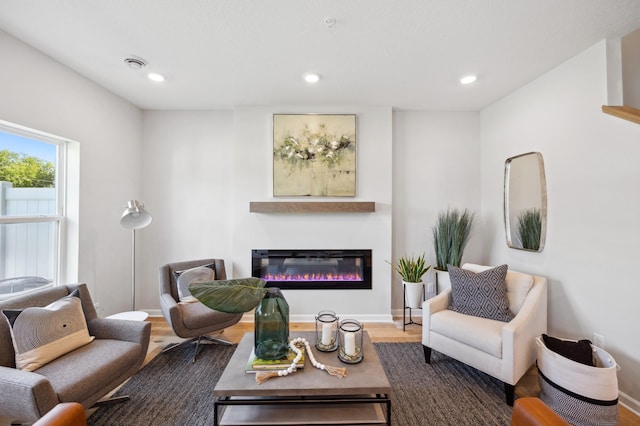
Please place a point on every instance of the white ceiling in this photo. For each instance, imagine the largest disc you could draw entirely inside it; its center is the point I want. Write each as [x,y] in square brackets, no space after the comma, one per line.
[407,54]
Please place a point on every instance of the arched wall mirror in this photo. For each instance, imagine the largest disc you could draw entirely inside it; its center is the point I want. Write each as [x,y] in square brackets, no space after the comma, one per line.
[525,202]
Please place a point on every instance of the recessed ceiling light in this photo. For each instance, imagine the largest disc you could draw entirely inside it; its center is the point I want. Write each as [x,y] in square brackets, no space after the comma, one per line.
[468,79]
[154,76]
[311,77]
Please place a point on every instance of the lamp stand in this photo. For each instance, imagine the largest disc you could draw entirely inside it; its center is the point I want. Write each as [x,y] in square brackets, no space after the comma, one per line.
[134,217]
[133,270]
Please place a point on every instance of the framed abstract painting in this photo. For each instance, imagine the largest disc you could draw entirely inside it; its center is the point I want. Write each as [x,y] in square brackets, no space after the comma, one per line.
[314,155]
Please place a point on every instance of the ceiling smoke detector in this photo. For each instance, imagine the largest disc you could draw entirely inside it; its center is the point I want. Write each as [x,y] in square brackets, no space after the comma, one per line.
[329,21]
[136,63]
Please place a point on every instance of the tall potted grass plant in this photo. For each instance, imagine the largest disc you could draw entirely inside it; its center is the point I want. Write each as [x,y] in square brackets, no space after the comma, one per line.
[450,237]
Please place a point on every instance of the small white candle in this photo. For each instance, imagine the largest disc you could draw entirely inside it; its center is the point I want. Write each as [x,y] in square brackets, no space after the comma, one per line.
[327,334]
[350,344]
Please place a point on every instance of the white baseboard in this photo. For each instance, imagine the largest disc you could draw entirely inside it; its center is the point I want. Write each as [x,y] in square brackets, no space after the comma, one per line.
[629,403]
[416,313]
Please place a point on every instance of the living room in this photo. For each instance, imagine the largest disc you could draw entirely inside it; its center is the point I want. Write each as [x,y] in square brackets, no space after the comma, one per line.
[197,170]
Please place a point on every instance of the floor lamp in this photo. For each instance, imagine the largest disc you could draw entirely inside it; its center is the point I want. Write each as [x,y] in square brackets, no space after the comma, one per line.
[134,217]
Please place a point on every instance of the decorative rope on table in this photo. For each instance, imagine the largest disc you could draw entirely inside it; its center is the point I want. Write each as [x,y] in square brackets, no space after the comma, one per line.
[263,376]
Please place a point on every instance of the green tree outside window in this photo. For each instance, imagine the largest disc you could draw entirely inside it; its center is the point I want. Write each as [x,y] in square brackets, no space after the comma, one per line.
[26,171]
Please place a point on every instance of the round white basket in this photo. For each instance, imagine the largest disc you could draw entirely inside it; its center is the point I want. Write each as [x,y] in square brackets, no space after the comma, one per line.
[581,394]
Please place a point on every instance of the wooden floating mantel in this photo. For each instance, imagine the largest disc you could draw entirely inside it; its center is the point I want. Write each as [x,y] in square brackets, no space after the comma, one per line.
[312,206]
[624,112]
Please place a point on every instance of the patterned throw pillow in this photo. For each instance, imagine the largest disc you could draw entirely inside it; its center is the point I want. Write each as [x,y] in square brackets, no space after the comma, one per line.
[518,285]
[482,294]
[41,335]
[199,274]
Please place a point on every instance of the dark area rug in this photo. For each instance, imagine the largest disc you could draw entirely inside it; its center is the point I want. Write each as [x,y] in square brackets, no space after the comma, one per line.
[445,392]
[170,390]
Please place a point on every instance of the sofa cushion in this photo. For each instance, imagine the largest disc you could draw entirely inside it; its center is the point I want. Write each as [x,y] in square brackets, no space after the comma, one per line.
[42,334]
[482,294]
[203,273]
[518,285]
[480,333]
[90,368]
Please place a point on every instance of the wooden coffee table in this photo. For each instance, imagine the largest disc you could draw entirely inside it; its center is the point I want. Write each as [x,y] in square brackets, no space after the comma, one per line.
[307,397]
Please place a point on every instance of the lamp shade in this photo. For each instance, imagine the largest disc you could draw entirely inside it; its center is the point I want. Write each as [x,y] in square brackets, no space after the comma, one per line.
[135,216]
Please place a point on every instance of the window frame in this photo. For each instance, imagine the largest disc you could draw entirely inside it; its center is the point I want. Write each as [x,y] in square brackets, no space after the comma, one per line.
[60,217]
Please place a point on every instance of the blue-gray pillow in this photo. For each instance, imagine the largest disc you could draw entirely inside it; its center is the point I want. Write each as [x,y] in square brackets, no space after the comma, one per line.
[203,273]
[482,294]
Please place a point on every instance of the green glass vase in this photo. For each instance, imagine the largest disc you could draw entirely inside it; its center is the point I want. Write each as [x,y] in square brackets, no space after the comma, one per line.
[271,336]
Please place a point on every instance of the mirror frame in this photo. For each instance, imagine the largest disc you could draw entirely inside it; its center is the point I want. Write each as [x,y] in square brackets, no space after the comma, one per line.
[543,201]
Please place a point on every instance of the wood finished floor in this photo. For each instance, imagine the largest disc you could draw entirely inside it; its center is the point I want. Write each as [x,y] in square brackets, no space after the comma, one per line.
[162,335]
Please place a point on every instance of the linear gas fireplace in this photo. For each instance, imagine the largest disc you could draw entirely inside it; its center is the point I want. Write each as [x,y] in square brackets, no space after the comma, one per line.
[313,269]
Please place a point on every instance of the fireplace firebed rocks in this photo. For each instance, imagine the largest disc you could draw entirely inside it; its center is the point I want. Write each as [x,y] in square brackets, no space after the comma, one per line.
[313,269]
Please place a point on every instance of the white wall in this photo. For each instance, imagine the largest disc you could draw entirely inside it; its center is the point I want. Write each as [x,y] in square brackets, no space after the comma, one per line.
[188,188]
[591,164]
[39,93]
[203,168]
[435,167]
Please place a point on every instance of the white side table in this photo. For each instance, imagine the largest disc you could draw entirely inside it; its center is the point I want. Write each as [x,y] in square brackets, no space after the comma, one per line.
[130,315]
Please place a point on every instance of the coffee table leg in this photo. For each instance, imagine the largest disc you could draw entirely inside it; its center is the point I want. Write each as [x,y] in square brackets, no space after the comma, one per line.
[388,411]
[216,406]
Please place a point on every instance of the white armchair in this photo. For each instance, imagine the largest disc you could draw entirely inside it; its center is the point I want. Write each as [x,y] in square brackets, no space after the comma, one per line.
[504,350]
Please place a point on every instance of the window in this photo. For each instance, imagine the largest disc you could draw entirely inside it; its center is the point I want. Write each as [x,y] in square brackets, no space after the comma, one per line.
[32,209]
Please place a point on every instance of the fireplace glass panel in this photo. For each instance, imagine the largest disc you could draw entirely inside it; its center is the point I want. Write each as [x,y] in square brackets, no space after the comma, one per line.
[313,269]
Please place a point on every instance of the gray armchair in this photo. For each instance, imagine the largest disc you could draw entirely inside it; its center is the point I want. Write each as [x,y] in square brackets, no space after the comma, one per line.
[192,321]
[84,375]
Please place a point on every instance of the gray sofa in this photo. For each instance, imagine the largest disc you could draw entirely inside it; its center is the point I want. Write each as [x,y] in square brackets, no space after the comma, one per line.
[84,375]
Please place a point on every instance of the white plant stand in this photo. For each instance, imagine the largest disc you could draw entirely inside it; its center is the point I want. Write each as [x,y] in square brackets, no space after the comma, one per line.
[410,308]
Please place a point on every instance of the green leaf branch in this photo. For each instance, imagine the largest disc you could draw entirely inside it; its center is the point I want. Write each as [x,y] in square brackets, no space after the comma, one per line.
[231,296]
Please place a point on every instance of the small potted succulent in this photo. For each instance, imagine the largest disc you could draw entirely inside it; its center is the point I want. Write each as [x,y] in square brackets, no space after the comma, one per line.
[411,270]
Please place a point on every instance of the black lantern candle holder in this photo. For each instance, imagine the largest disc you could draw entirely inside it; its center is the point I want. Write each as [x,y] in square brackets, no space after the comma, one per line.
[350,338]
[326,331]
